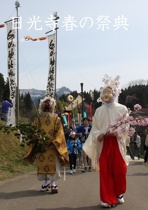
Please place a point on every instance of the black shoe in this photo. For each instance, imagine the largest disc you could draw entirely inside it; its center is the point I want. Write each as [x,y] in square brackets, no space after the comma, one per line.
[54,189]
[45,188]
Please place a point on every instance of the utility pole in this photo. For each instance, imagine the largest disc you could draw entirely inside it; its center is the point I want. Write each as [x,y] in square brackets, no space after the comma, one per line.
[91,93]
[17,5]
[81,84]
[56,19]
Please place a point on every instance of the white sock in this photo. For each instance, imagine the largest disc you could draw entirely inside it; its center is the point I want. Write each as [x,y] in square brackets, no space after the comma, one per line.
[46,182]
[53,183]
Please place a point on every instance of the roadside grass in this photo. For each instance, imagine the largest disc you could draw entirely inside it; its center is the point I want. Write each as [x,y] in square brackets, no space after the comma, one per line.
[11,157]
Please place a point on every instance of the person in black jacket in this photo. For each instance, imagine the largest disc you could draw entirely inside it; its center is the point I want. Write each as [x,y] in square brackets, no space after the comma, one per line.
[84,131]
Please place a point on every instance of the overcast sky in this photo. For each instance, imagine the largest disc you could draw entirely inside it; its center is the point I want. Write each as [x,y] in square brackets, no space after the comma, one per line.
[87,51]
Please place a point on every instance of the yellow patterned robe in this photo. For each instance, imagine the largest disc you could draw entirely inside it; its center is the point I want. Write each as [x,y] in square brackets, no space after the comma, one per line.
[46,161]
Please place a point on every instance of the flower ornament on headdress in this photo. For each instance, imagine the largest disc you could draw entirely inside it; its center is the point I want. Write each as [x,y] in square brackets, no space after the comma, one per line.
[113,84]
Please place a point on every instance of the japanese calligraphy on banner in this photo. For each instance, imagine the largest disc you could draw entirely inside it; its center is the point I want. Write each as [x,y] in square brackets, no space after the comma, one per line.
[11,70]
[50,91]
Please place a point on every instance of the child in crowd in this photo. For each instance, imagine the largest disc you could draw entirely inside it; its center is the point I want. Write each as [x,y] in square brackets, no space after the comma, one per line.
[73,145]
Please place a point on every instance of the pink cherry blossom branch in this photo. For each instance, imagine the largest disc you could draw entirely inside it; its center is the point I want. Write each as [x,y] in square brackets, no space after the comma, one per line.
[124,121]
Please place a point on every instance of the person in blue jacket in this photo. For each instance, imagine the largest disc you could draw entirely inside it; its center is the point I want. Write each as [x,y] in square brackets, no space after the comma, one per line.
[84,131]
[73,145]
[6,104]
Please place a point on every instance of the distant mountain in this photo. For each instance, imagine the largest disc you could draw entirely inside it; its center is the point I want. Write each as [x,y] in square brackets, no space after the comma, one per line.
[37,94]
[34,93]
[63,90]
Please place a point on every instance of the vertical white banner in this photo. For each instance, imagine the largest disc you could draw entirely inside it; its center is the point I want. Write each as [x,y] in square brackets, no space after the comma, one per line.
[11,70]
[51,82]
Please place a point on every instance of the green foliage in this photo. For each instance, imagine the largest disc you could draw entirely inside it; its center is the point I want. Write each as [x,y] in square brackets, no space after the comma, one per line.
[137,92]
[60,104]
[11,156]
[133,95]
[30,134]
[33,135]
[26,106]
[2,87]
[27,109]
[6,93]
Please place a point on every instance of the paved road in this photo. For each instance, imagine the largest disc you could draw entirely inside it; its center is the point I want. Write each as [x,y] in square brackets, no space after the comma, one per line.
[79,191]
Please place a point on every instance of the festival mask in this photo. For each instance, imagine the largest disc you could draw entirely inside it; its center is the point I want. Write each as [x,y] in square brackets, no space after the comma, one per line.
[107,95]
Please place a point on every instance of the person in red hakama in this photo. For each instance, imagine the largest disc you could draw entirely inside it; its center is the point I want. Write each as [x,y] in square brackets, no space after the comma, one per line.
[106,150]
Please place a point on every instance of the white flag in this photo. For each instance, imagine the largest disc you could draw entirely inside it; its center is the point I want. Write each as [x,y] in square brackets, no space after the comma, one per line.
[51,82]
[11,70]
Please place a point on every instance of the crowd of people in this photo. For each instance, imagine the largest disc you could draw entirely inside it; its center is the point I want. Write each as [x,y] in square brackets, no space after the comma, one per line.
[135,148]
[78,159]
[90,146]
[75,138]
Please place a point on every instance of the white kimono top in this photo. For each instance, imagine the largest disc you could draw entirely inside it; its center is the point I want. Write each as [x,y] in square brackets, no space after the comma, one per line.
[103,117]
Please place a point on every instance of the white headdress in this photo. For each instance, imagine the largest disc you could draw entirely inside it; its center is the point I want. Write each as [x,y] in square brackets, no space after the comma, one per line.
[113,83]
[41,104]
